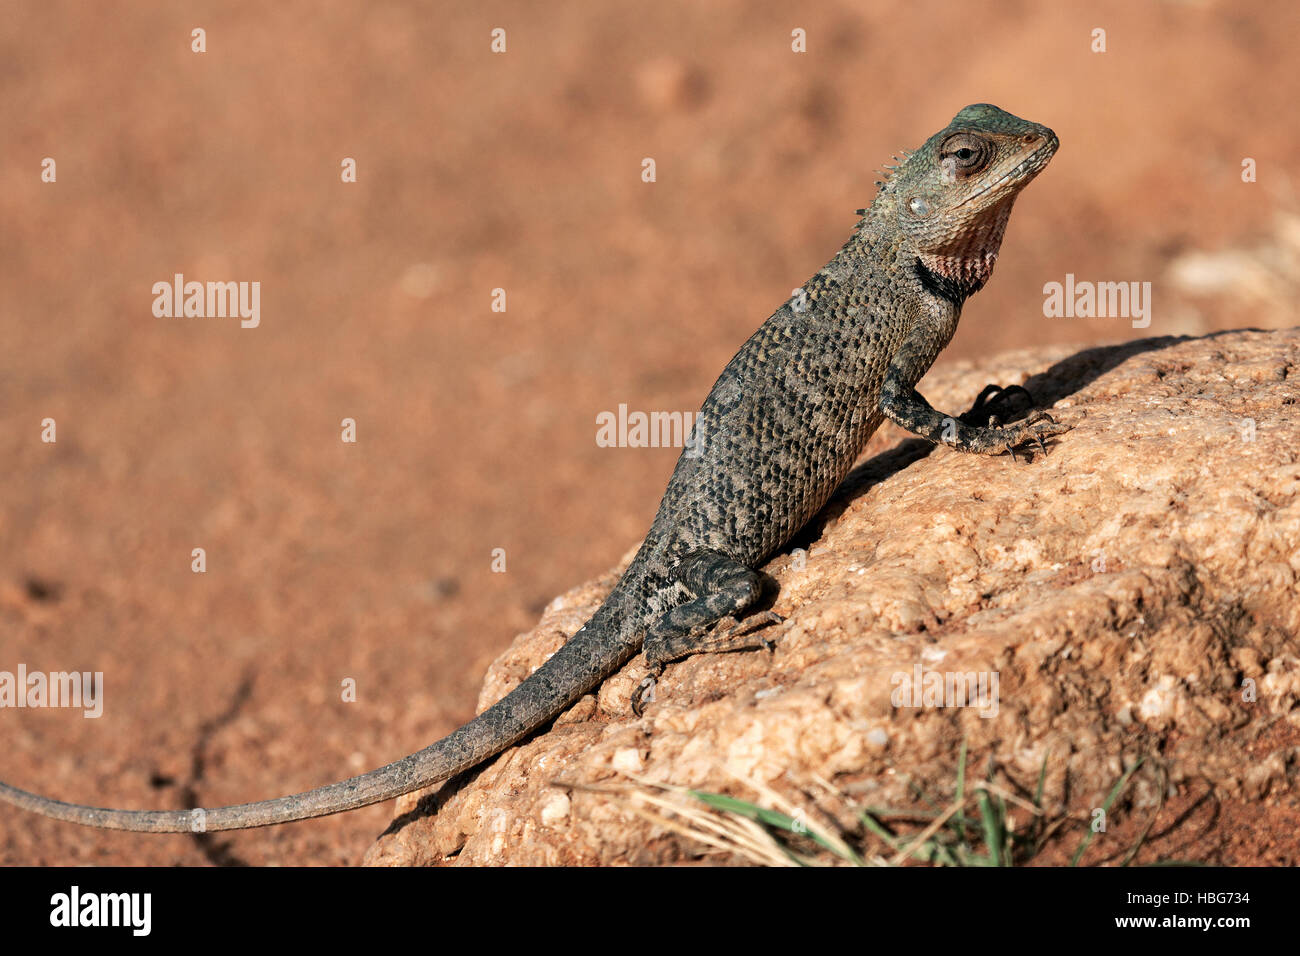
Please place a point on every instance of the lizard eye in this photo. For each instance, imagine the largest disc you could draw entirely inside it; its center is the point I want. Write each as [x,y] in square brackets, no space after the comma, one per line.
[965,153]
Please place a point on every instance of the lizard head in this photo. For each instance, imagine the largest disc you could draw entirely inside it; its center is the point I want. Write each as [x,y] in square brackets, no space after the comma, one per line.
[952,197]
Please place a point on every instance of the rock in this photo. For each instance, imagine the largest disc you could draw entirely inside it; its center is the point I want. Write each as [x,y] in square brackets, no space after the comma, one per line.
[1131,594]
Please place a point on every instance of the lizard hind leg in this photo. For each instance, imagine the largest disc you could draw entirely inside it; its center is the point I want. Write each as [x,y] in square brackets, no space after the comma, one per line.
[709,623]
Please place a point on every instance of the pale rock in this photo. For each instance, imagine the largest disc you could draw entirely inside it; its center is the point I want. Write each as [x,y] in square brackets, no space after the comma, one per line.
[970,564]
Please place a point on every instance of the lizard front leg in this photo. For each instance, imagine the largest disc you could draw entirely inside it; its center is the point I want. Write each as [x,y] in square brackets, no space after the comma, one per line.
[906,407]
[725,588]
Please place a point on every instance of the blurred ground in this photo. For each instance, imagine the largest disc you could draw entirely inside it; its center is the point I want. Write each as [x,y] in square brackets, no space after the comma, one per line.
[476,429]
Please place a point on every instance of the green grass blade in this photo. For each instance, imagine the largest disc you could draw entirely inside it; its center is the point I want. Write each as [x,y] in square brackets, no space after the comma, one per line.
[993,828]
[772,818]
[1105,809]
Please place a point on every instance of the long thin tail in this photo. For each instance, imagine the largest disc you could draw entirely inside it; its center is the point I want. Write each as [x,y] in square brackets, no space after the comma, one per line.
[602,645]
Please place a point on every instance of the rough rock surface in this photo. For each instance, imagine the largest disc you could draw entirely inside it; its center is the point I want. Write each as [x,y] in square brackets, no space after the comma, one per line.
[1134,591]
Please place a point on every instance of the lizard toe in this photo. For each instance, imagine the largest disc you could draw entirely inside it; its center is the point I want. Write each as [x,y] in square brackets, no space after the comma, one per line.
[644,694]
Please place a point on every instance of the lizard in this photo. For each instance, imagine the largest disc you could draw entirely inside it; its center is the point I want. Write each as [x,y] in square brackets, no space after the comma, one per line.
[778,432]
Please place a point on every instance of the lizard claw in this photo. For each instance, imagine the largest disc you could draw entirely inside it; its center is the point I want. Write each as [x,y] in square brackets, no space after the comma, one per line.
[756,622]
[1038,426]
[724,634]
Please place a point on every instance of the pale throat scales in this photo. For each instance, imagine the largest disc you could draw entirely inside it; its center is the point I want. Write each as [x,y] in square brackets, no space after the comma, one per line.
[968,258]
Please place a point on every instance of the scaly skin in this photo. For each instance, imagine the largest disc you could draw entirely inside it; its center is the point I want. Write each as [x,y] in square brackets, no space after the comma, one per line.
[780,429]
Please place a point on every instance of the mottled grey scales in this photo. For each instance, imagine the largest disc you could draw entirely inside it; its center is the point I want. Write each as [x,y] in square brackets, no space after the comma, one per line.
[777,433]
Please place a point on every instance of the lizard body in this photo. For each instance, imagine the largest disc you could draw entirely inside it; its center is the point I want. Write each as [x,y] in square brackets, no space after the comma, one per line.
[780,429]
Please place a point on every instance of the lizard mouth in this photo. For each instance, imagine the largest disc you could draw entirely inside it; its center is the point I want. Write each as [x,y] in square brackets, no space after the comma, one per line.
[1035,161]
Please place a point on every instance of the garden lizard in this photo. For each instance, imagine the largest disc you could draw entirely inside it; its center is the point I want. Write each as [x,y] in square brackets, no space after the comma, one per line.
[778,432]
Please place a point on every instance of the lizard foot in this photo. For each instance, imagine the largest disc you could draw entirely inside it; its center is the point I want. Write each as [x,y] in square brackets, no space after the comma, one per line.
[1036,427]
[730,634]
[994,405]
[717,637]
[726,634]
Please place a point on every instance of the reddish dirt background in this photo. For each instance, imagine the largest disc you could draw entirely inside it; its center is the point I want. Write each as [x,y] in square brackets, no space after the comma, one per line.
[371,561]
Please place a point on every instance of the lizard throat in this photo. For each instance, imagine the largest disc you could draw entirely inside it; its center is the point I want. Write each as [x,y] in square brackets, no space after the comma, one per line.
[965,263]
